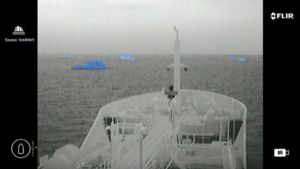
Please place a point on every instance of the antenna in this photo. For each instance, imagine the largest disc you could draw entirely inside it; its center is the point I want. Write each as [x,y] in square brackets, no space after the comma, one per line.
[177,64]
[176,30]
[177,67]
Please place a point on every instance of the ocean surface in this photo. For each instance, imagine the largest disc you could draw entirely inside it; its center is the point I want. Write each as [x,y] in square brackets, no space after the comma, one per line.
[69,100]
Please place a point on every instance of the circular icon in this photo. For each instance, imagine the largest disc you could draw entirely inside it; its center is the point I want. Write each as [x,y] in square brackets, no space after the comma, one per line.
[20,148]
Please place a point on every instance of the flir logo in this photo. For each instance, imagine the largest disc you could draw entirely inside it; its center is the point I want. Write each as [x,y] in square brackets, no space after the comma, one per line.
[282,16]
[18,31]
[281,152]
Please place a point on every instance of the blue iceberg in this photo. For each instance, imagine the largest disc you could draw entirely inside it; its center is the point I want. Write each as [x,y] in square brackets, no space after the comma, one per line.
[105,54]
[242,59]
[123,57]
[64,56]
[129,58]
[231,57]
[188,56]
[91,65]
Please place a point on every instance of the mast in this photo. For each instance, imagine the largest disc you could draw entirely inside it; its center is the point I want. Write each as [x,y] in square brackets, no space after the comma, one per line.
[177,65]
[175,104]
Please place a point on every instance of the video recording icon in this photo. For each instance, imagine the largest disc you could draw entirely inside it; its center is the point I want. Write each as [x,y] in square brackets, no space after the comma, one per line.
[281,152]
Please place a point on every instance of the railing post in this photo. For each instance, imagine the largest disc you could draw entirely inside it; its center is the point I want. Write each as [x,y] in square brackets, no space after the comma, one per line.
[141,149]
[233,135]
[123,127]
[244,141]
[228,130]
[112,139]
[220,136]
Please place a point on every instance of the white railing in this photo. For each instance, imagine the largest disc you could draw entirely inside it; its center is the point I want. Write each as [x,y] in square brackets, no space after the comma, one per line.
[174,155]
[244,140]
[120,149]
[127,126]
[106,164]
[165,139]
[137,127]
[152,165]
[233,157]
[155,140]
[229,160]
[173,150]
[127,146]
[161,132]
[198,119]
[96,144]
[151,141]
[98,152]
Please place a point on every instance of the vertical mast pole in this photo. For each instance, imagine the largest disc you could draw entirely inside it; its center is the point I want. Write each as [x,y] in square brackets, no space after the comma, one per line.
[176,63]
[177,87]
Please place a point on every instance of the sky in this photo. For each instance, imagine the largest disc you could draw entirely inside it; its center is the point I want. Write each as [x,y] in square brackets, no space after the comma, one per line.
[146,26]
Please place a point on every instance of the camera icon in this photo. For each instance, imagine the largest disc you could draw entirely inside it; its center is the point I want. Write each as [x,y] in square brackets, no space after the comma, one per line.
[281,152]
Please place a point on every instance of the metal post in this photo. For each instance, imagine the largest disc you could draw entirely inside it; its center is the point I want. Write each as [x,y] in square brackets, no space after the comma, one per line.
[233,133]
[176,63]
[173,117]
[220,136]
[228,130]
[112,145]
[123,128]
[170,112]
[203,134]
[177,68]
[244,140]
[141,149]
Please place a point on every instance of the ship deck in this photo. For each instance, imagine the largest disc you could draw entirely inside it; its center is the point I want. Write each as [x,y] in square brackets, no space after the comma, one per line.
[203,140]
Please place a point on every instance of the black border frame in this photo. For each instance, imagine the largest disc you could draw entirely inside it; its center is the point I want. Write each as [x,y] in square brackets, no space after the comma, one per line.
[279,85]
[19,106]
[19,118]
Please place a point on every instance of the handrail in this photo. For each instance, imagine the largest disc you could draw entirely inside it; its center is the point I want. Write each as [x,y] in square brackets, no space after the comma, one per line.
[150,160]
[232,155]
[106,164]
[122,150]
[153,163]
[163,138]
[97,145]
[148,143]
[125,147]
[103,150]
[135,148]
[172,159]
[229,160]
[152,140]
[170,147]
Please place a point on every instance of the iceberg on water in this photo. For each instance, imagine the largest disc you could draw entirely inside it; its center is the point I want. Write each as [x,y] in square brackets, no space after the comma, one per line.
[129,58]
[124,57]
[91,65]
[242,59]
